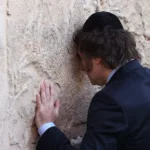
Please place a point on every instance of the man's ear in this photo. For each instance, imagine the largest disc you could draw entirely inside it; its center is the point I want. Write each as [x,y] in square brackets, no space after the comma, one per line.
[97,61]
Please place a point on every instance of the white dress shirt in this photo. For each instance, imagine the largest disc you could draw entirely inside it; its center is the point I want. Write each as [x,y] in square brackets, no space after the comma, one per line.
[45,127]
[48,125]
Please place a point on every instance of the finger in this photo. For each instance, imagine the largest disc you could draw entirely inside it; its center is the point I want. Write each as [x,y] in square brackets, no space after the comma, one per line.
[39,89]
[57,106]
[57,103]
[42,93]
[46,88]
[38,101]
[51,89]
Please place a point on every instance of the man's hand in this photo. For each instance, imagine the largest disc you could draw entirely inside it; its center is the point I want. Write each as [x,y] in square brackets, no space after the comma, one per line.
[47,108]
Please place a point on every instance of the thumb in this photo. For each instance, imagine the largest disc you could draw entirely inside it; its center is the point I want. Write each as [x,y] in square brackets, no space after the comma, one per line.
[57,105]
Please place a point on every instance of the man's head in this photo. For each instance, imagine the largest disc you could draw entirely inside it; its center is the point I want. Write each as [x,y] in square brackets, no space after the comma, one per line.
[102,45]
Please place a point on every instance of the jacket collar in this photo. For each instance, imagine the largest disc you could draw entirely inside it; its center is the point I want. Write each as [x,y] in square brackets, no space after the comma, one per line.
[127,67]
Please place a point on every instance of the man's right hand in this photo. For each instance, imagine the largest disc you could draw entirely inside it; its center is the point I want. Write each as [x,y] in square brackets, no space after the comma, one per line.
[47,108]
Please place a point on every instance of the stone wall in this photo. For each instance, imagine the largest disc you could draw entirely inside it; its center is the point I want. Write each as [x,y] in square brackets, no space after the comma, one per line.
[36,44]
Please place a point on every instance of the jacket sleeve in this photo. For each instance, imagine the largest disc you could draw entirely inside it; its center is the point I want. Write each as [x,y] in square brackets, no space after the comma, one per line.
[54,139]
[106,125]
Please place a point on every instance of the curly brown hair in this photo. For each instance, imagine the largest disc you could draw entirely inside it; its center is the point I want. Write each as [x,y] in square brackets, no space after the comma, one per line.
[114,46]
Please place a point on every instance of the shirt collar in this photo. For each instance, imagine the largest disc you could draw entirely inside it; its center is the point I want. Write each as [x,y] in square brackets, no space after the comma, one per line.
[112,73]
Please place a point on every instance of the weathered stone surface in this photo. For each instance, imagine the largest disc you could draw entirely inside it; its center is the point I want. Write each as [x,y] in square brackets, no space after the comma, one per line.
[37,44]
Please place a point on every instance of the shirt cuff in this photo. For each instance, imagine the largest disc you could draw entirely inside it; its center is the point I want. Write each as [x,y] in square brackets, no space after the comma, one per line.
[42,129]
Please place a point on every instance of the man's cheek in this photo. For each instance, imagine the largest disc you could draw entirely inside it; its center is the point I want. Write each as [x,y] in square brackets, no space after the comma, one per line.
[88,68]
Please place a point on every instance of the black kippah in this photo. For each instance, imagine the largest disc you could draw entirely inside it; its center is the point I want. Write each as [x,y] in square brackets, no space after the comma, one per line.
[100,20]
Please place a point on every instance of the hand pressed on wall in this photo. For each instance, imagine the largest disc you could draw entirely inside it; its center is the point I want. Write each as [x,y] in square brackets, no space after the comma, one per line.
[47,108]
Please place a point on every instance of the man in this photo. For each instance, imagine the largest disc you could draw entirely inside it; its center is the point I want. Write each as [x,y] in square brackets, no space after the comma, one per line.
[119,115]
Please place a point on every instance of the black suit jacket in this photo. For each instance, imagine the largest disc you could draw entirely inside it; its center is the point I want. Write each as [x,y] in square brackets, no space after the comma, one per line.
[118,117]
